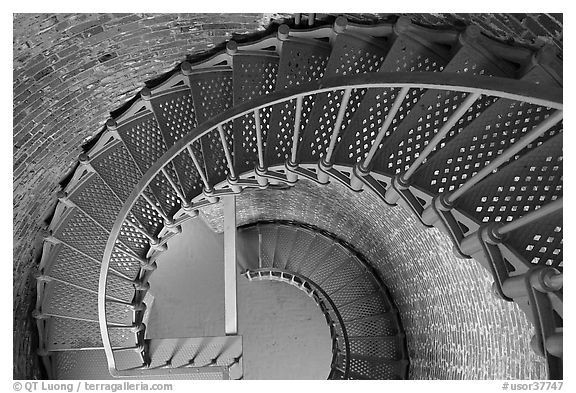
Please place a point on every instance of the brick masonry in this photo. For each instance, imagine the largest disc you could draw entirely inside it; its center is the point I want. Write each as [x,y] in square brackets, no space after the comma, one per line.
[71,70]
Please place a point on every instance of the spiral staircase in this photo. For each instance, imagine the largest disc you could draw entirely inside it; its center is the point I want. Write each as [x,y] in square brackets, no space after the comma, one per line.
[463,131]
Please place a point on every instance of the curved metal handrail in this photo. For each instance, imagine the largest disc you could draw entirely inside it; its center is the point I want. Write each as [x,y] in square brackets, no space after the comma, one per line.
[325,296]
[492,86]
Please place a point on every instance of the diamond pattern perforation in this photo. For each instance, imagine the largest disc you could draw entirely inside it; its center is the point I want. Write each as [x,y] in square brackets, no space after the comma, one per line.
[118,170]
[373,326]
[82,233]
[68,301]
[405,55]
[540,243]
[69,333]
[354,291]
[372,369]
[216,164]
[344,275]
[81,365]
[432,111]
[124,264]
[315,256]
[254,76]
[176,115]
[98,201]
[246,148]
[316,141]
[75,268]
[371,305]
[144,140]
[267,244]
[332,261]
[301,63]
[285,238]
[133,239]
[349,56]
[299,250]
[525,184]
[146,216]
[161,188]
[381,347]
[500,126]
[212,94]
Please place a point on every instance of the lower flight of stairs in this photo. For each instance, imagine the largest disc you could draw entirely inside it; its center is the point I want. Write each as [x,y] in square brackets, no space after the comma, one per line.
[368,339]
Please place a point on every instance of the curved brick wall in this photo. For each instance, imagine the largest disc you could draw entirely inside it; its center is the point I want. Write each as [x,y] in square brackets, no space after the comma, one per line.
[70,70]
[455,327]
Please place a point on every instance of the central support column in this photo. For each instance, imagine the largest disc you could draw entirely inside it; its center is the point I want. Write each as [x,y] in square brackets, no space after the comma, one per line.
[230,304]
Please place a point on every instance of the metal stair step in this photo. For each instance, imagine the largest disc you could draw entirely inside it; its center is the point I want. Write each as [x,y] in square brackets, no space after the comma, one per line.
[247,249]
[301,244]
[385,348]
[145,143]
[332,261]
[212,95]
[301,61]
[385,324]
[350,55]
[67,301]
[175,113]
[354,290]
[405,55]
[495,130]
[342,275]
[375,368]
[254,75]
[65,334]
[315,255]
[267,245]
[285,238]
[434,107]
[372,304]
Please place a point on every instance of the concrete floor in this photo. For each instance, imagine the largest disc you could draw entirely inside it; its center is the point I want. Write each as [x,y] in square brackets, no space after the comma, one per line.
[285,336]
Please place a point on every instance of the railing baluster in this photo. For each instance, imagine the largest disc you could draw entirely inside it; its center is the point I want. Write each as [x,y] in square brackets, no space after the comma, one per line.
[260,168]
[259,138]
[175,188]
[361,168]
[151,203]
[389,118]
[229,161]
[292,177]
[536,132]
[325,163]
[199,168]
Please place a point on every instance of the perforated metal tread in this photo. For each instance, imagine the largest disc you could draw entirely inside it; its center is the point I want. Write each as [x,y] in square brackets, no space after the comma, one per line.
[525,184]
[285,238]
[64,334]
[315,256]
[433,109]
[301,61]
[247,250]
[370,368]
[350,55]
[145,142]
[495,130]
[405,55]
[300,248]
[267,245]
[67,301]
[253,76]
[212,95]
[176,116]
[92,365]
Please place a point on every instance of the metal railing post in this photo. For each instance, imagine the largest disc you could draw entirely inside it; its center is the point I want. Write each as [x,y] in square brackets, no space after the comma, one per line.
[230,305]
